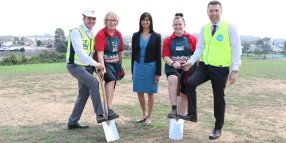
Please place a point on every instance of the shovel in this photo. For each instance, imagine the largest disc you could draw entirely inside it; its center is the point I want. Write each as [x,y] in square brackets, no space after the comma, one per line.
[177,125]
[109,127]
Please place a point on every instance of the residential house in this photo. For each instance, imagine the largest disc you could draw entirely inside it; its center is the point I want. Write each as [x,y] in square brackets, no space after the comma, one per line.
[47,42]
[252,48]
[6,41]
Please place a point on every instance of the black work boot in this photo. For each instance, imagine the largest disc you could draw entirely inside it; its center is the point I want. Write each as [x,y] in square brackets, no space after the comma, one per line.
[173,114]
[101,118]
[112,115]
[191,117]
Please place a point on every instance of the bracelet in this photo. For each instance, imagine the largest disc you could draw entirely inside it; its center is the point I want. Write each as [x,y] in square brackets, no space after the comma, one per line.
[173,63]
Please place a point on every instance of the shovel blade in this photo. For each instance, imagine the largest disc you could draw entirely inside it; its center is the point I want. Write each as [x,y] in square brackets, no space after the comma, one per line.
[110,131]
[176,129]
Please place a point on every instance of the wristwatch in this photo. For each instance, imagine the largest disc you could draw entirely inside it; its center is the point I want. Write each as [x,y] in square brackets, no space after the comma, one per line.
[236,71]
[173,63]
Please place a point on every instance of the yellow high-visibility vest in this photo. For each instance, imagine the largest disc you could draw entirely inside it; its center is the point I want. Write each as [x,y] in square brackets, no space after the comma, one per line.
[88,46]
[217,49]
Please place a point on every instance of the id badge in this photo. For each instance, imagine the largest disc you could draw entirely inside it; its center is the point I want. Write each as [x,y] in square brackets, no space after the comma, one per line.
[179,48]
[85,46]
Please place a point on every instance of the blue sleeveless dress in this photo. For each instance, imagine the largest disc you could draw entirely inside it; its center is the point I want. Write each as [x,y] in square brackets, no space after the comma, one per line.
[144,73]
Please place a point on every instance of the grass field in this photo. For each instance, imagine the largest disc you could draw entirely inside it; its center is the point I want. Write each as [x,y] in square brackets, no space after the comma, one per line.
[36,101]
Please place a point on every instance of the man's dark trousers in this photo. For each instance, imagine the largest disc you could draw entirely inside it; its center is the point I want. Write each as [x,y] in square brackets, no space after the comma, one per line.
[218,77]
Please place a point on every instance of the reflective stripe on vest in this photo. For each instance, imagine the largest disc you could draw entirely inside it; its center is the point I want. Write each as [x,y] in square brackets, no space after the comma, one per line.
[217,50]
[88,45]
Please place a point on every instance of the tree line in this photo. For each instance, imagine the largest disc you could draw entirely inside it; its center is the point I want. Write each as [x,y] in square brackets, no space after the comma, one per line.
[263,46]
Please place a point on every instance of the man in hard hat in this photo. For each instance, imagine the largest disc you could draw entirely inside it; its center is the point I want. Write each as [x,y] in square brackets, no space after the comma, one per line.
[80,65]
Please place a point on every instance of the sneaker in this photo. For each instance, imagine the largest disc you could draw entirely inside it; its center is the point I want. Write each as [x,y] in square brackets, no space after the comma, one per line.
[112,115]
[173,114]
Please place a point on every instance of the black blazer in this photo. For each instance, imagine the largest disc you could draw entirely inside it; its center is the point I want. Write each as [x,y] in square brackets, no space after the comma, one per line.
[153,50]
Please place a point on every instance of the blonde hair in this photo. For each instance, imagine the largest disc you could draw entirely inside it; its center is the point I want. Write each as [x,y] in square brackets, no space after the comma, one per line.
[111,14]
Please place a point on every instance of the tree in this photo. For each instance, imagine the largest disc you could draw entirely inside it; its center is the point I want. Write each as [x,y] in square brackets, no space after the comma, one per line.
[127,47]
[39,43]
[266,45]
[23,39]
[285,48]
[16,40]
[60,41]
[22,50]
[50,46]
[263,45]
[246,46]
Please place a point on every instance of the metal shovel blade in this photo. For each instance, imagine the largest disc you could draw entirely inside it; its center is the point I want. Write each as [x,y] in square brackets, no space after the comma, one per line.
[110,131]
[109,127]
[176,129]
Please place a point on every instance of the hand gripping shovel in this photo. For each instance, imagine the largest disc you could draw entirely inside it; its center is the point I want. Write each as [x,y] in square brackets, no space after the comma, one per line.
[109,127]
[177,125]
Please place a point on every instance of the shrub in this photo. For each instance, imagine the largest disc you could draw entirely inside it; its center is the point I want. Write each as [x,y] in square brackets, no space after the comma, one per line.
[44,57]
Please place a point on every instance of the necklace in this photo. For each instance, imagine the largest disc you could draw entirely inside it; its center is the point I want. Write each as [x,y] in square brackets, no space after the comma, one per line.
[145,36]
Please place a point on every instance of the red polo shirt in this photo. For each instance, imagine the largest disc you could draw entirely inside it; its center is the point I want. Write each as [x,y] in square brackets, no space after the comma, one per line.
[167,43]
[100,39]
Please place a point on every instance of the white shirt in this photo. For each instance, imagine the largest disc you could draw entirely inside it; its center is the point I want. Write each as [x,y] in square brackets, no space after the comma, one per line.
[76,40]
[235,46]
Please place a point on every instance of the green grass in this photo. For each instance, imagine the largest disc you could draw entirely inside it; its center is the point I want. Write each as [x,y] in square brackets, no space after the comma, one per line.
[262,68]
[269,68]
[32,69]
[21,76]
[257,99]
[47,68]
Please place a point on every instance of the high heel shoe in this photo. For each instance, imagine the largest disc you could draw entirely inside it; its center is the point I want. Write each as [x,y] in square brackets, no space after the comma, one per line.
[140,121]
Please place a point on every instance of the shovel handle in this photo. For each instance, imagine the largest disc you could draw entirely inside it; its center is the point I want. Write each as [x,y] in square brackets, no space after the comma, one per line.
[103,91]
[179,81]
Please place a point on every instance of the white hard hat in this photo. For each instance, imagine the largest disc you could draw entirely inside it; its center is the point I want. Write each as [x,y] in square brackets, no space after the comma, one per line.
[88,13]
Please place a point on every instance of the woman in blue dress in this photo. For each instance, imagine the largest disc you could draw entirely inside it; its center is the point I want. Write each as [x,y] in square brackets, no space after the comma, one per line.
[146,65]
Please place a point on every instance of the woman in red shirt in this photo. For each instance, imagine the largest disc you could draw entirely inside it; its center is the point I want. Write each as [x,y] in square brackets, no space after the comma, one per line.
[109,47]
[177,50]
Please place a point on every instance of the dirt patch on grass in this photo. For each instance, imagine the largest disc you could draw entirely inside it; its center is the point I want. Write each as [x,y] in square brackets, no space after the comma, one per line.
[50,98]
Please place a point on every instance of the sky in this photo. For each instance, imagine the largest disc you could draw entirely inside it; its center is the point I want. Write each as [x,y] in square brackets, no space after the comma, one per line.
[262,18]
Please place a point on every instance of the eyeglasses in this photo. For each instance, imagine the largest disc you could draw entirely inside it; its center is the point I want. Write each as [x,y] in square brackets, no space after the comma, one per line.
[112,20]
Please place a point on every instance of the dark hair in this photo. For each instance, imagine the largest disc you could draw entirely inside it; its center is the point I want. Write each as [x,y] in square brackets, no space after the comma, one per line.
[178,16]
[142,17]
[214,2]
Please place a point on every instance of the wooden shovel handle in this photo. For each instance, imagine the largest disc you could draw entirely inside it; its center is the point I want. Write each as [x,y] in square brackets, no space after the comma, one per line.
[179,75]
[103,90]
